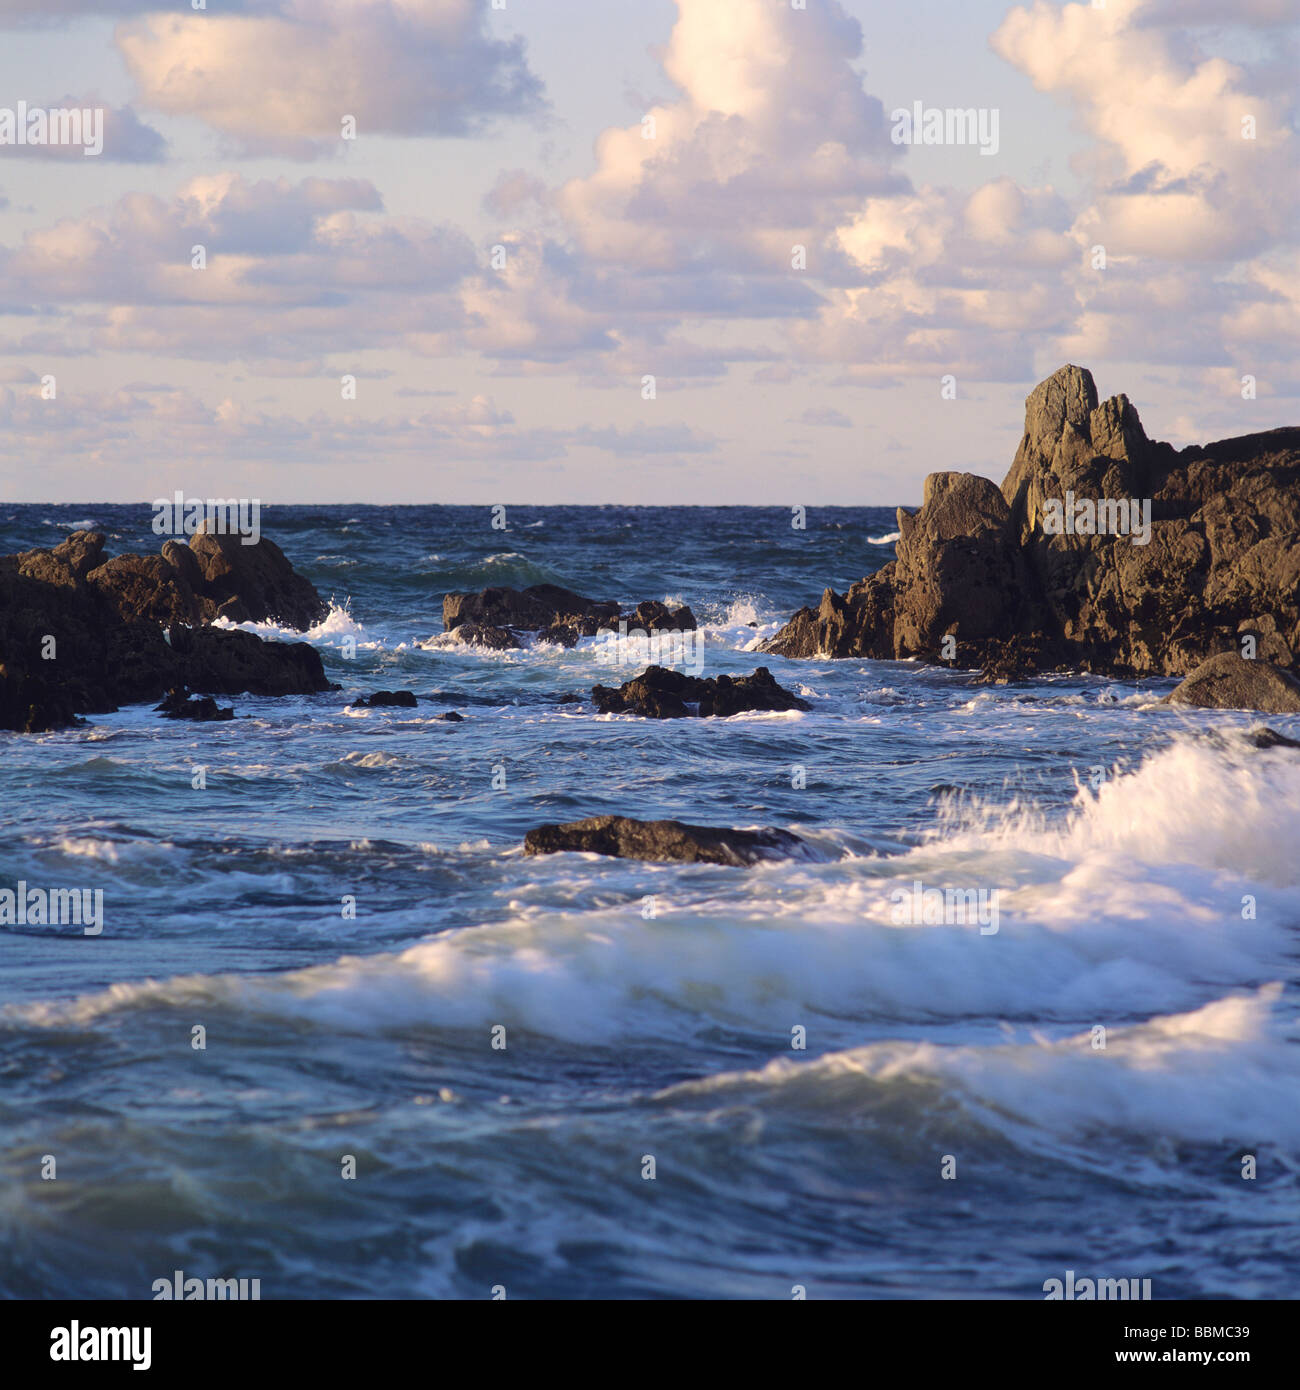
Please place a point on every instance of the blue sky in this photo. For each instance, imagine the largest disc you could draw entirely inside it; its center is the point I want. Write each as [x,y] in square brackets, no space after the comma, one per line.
[625,257]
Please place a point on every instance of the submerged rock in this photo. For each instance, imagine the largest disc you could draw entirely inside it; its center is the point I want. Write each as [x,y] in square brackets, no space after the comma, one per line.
[403,698]
[663,840]
[661,693]
[1102,551]
[1229,681]
[1264,737]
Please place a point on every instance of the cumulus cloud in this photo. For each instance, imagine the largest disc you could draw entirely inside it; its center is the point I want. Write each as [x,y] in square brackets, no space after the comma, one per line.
[1194,157]
[772,139]
[280,77]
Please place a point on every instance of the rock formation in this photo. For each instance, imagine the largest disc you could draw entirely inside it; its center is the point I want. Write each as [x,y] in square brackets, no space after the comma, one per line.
[1102,551]
[494,617]
[81,633]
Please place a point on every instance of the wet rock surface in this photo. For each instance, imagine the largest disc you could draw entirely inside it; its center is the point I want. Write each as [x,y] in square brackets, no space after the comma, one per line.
[661,693]
[663,841]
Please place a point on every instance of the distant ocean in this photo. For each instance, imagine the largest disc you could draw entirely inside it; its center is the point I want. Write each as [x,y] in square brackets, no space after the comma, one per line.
[1092,1077]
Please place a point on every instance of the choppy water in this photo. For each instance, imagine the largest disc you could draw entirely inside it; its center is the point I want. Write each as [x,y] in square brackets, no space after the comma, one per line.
[630,1035]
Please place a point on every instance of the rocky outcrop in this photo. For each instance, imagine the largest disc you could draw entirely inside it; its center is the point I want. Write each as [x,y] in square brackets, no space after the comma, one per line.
[245,583]
[664,841]
[495,617]
[1228,681]
[1101,551]
[661,693]
[82,633]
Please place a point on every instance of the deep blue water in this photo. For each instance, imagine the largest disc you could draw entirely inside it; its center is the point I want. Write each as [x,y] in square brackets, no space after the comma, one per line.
[648,1010]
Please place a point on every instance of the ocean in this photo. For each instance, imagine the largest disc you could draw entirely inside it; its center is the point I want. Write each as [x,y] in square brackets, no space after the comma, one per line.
[339,1035]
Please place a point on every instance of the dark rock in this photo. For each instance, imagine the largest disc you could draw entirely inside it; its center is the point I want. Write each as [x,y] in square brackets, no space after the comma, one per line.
[662,841]
[81,633]
[981,565]
[204,709]
[251,583]
[405,698]
[1229,681]
[452,717]
[538,606]
[653,616]
[555,614]
[661,693]
[1264,737]
[497,639]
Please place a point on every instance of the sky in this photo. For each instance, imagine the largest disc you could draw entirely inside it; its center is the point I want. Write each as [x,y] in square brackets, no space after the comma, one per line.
[631,251]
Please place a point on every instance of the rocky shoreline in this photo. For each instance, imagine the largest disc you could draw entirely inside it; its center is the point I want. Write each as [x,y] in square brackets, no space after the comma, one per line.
[1102,551]
[84,633]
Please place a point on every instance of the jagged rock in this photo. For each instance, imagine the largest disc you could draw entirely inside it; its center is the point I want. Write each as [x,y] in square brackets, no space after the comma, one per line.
[251,583]
[653,616]
[660,693]
[403,698]
[81,633]
[662,841]
[1229,681]
[203,709]
[1216,556]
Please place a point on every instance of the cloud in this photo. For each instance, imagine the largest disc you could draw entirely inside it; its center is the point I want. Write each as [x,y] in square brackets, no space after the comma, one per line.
[1171,173]
[126,138]
[280,78]
[825,416]
[771,141]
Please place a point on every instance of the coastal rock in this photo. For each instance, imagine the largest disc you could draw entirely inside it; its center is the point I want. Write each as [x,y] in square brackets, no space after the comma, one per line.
[1229,681]
[494,617]
[82,633]
[252,583]
[528,610]
[1166,558]
[404,699]
[663,841]
[202,709]
[497,639]
[661,693]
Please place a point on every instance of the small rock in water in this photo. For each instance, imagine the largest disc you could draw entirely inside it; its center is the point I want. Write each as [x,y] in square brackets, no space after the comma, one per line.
[405,698]
[1229,681]
[452,717]
[202,709]
[661,693]
[664,841]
